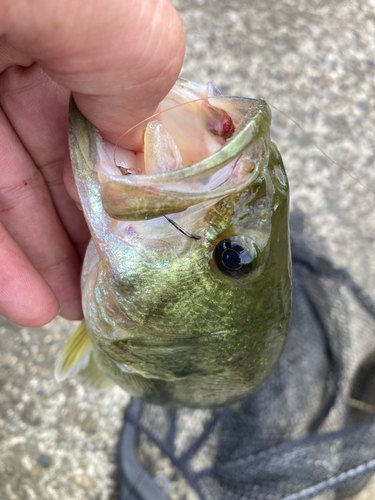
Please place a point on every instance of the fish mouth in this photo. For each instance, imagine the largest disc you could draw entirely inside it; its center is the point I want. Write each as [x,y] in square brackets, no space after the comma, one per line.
[241,148]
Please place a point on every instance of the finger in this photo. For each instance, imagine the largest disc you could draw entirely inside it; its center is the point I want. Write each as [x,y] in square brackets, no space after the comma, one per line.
[25,298]
[37,109]
[119,58]
[28,214]
[10,55]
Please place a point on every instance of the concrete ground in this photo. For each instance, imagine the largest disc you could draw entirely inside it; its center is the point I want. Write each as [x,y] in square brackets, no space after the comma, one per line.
[315,60]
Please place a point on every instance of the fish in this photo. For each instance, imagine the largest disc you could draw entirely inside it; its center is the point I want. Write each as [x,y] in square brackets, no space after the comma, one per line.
[193,313]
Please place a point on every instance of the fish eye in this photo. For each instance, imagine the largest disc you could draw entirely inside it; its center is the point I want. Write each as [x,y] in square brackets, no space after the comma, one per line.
[232,259]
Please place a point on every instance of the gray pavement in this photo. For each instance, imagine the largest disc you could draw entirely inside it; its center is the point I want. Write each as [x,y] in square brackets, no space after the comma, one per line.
[314,60]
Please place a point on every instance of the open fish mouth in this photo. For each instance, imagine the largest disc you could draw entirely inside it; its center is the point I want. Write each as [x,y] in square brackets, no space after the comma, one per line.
[194,153]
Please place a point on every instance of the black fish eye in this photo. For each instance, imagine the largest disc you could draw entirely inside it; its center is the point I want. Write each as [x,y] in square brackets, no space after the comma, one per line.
[232,259]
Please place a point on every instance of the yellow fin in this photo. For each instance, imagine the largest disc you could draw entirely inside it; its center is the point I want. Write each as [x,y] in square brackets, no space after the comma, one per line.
[75,356]
[92,377]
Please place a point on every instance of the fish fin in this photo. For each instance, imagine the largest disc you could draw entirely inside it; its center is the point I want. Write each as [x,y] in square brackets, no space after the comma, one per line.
[92,377]
[75,356]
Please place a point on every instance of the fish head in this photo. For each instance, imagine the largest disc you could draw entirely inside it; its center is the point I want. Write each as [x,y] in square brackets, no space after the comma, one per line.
[197,321]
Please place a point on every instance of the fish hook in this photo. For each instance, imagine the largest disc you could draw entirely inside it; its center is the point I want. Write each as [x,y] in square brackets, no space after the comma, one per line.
[125,171]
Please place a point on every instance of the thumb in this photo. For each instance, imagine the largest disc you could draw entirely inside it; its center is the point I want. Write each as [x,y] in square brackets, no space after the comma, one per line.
[119,58]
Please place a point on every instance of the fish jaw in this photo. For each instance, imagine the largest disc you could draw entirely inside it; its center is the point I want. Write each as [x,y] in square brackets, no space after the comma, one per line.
[142,197]
[165,323]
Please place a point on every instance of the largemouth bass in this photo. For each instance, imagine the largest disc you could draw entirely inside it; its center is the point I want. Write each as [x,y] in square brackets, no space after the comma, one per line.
[188,321]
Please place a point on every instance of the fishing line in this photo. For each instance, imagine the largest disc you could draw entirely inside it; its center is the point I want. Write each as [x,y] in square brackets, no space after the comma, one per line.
[274,107]
[149,118]
[124,171]
[320,149]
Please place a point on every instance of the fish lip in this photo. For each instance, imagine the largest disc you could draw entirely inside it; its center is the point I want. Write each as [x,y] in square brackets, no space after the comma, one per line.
[245,136]
[144,197]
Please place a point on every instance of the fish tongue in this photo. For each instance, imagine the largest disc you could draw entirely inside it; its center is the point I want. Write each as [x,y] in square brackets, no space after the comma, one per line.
[161,153]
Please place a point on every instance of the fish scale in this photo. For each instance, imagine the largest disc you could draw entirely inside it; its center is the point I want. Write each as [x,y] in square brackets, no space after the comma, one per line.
[173,320]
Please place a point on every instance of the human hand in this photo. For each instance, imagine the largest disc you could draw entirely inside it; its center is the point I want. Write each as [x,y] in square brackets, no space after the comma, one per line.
[119,58]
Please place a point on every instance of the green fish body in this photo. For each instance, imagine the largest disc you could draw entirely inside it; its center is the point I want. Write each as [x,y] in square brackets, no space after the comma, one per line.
[172,319]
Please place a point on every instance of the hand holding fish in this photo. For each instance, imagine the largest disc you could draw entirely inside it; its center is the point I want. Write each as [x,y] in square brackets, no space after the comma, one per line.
[119,59]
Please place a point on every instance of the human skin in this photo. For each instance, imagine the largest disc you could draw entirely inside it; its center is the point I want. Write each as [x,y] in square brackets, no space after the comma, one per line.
[119,59]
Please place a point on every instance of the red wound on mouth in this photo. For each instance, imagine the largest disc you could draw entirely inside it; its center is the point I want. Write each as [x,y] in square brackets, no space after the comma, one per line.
[221,124]
[228,127]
